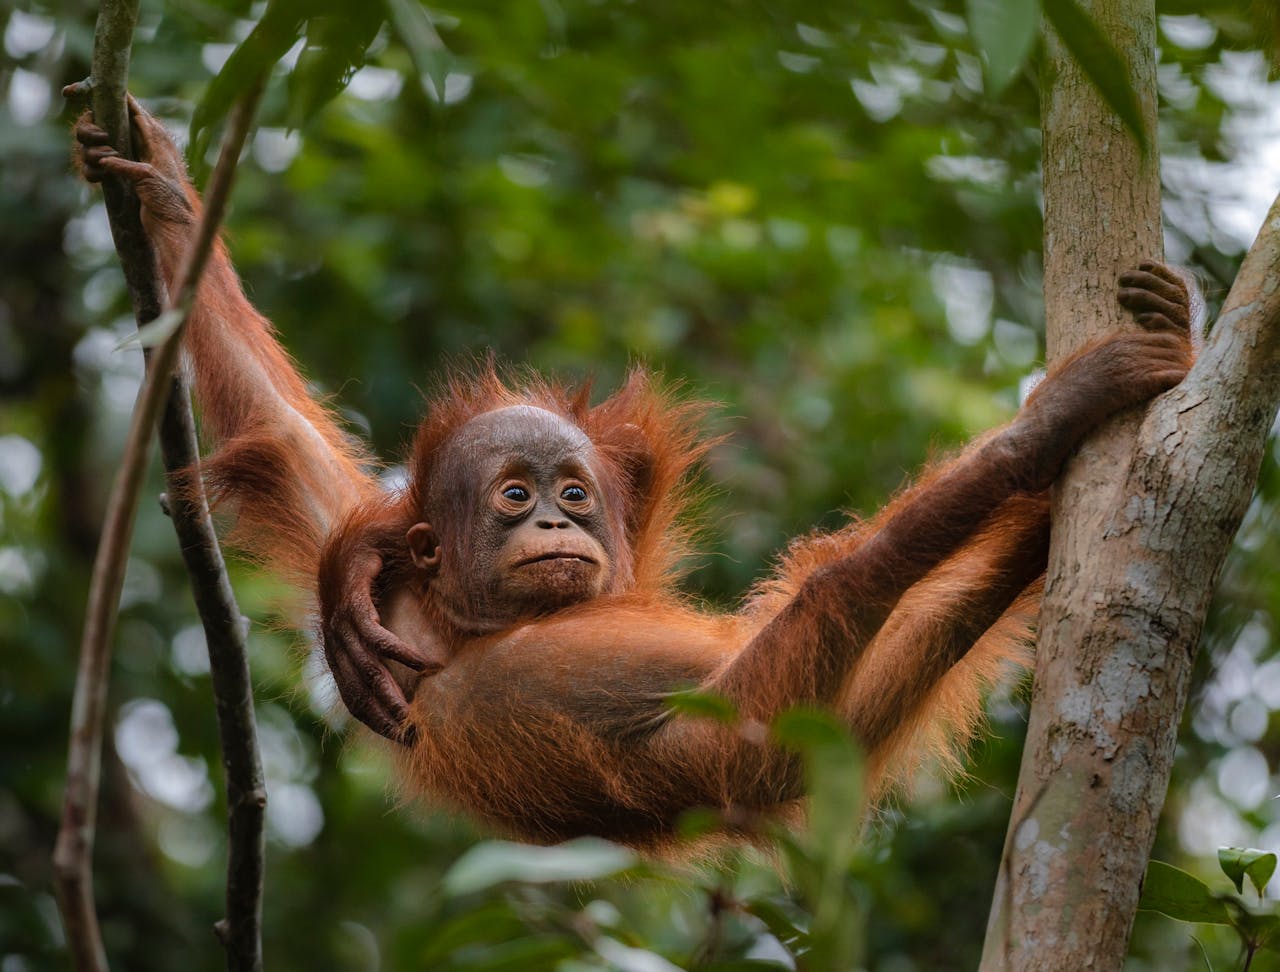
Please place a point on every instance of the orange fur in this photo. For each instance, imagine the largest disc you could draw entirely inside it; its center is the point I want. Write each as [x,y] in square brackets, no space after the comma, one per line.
[557,723]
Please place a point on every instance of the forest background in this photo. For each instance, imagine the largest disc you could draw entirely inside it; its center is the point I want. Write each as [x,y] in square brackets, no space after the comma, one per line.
[826,222]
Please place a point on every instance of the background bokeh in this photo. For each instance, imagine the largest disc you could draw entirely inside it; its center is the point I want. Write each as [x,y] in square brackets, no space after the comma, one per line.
[814,216]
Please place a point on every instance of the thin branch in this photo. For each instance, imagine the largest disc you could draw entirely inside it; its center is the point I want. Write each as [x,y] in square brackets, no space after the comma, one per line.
[1251,313]
[72,857]
[227,635]
[226,631]
[73,851]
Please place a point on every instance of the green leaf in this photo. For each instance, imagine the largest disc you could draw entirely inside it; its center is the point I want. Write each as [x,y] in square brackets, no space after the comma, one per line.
[1258,928]
[707,705]
[335,48]
[1100,61]
[270,38]
[1175,893]
[699,822]
[1237,862]
[809,729]
[833,765]
[153,333]
[820,859]
[1271,943]
[783,919]
[1004,32]
[535,952]
[835,800]
[488,922]
[412,24]
[498,861]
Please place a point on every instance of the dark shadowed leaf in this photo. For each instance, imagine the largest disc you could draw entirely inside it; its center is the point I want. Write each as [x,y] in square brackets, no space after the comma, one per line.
[1259,927]
[253,58]
[491,921]
[1100,61]
[530,954]
[335,48]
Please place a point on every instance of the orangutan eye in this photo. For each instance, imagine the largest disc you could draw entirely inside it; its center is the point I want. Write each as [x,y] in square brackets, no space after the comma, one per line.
[516,494]
[573,494]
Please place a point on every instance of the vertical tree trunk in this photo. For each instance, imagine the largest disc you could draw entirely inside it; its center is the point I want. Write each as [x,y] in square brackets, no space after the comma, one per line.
[1142,525]
[1101,733]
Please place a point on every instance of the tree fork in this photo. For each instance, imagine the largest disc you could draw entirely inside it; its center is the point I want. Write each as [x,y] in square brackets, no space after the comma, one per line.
[1143,521]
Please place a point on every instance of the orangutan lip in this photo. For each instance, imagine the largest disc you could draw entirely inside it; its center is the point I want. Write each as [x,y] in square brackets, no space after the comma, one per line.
[555,555]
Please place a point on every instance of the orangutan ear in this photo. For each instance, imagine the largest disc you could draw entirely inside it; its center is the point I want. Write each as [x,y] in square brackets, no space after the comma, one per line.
[424,547]
[630,449]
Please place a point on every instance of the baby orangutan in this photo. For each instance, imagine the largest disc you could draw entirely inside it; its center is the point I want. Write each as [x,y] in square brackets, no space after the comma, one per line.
[522,587]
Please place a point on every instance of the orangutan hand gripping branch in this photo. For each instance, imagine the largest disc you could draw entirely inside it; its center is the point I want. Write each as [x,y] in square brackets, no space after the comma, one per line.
[512,618]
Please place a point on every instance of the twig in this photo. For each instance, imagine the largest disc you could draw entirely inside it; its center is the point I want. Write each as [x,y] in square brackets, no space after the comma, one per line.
[72,857]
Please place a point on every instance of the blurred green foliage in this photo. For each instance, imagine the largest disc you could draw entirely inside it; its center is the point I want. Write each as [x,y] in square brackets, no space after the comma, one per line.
[1176,894]
[821,219]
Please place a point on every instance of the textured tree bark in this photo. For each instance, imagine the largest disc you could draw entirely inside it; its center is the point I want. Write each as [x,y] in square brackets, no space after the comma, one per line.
[1141,528]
